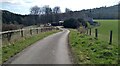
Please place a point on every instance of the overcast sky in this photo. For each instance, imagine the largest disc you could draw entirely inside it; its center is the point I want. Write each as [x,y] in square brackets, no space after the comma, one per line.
[23,6]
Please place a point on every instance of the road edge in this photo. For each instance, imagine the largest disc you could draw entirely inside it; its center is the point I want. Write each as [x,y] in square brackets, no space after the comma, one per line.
[72,59]
[24,50]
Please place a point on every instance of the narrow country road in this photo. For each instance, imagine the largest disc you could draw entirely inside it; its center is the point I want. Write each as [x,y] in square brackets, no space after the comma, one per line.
[50,50]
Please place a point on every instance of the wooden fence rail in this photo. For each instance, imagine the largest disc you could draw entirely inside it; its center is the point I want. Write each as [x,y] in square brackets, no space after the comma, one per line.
[7,36]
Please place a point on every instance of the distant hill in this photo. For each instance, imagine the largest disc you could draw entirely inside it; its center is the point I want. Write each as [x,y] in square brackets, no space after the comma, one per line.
[12,18]
[103,12]
[9,17]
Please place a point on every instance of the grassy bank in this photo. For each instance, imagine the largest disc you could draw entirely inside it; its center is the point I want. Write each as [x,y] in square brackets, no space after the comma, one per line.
[11,50]
[87,50]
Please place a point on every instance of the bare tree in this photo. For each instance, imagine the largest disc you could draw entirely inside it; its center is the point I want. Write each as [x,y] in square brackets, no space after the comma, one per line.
[46,16]
[35,10]
[56,10]
[47,10]
[67,10]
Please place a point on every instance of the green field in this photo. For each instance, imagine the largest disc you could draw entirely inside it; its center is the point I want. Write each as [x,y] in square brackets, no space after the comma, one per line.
[87,50]
[104,30]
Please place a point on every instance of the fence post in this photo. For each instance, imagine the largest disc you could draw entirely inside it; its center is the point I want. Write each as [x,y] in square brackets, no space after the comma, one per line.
[51,29]
[30,31]
[87,31]
[9,35]
[37,30]
[21,33]
[41,29]
[110,37]
[44,29]
[96,33]
[90,31]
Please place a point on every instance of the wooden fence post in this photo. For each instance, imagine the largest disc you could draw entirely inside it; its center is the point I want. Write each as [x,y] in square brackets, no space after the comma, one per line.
[22,33]
[41,30]
[51,28]
[30,31]
[90,31]
[8,38]
[45,29]
[96,33]
[37,30]
[9,35]
[87,31]
[110,42]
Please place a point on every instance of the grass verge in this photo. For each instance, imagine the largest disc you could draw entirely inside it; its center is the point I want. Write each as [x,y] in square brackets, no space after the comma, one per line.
[87,50]
[13,49]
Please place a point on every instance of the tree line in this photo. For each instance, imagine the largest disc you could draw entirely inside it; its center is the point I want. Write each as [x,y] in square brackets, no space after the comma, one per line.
[46,14]
[38,15]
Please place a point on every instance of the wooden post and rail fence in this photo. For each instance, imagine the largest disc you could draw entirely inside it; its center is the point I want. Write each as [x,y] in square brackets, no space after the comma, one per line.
[21,33]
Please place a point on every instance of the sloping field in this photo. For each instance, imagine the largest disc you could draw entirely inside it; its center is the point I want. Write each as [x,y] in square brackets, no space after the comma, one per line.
[104,30]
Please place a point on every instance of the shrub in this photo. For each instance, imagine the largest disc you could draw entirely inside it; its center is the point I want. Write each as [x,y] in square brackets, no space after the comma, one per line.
[71,23]
[6,27]
[82,22]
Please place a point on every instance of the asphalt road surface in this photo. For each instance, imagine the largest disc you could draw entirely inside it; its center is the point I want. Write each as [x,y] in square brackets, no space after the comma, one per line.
[50,50]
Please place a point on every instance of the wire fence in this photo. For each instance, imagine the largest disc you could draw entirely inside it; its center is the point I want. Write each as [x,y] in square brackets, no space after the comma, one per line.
[95,33]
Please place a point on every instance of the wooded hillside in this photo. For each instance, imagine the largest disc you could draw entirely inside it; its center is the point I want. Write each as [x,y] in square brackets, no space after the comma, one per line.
[96,13]
[26,20]
[111,12]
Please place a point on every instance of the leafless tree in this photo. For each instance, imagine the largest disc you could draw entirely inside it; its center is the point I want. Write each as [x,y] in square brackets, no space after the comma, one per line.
[47,10]
[56,10]
[35,10]
[67,10]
